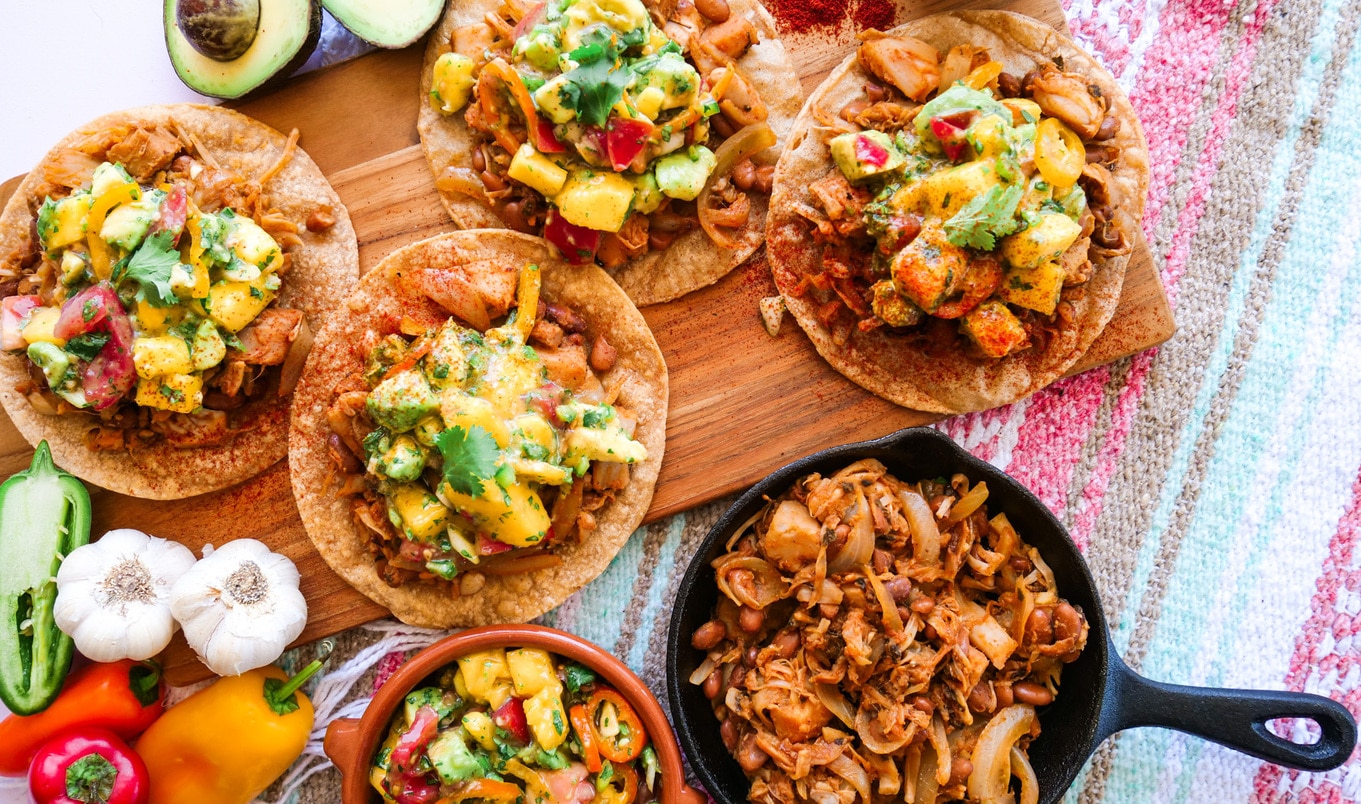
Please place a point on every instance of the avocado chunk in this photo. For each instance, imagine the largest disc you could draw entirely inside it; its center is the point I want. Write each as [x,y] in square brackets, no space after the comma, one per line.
[386,23]
[127,224]
[288,32]
[861,155]
[402,400]
[453,760]
[682,175]
[220,29]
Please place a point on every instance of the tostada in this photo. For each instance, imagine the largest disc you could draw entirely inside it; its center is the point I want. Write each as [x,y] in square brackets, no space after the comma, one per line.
[162,269]
[480,432]
[971,186]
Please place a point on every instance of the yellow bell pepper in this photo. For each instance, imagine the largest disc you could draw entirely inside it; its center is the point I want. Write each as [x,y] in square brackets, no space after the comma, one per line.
[101,253]
[225,744]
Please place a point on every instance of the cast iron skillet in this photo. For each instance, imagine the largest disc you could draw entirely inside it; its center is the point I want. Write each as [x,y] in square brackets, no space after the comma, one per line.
[1099,695]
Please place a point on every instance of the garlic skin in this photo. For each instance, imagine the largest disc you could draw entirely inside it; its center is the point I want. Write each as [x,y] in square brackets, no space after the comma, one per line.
[113,595]
[239,606]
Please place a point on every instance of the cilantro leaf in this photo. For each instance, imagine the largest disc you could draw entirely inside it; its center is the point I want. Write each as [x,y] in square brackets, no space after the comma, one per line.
[469,458]
[87,346]
[151,266]
[577,677]
[985,218]
[595,86]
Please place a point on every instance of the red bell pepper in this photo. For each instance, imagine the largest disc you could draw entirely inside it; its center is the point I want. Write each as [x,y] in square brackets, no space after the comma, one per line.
[545,140]
[628,742]
[949,129]
[626,139]
[124,697]
[88,766]
[511,717]
[577,243]
[487,546]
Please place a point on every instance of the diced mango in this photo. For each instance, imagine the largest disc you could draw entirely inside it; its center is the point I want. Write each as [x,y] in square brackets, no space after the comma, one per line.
[649,102]
[531,168]
[994,329]
[596,199]
[458,408]
[1023,110]
[1046,240]
[988,134]
[423,514]
[254,245]
[1036,288]
[180,393]
[482,729]
[483,671]
[948,190]
[549,99]
[608,445]
[547,720]
[500,693]
[233,305]
[160,355]
[64,222]
[73,265]
[41,325]
[531,670]
[513,514]
[452,82]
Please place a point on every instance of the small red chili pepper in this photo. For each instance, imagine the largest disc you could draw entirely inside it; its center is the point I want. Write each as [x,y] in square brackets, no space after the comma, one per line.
[628,743]
[90,766]
[581,723]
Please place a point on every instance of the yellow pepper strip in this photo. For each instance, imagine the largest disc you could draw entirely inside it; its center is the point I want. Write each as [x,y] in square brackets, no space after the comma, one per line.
[101,253]
[200,290]
[225,744]
[527,300]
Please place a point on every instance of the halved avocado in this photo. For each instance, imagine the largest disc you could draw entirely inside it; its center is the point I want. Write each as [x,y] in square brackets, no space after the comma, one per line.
[386,23]
[287,34]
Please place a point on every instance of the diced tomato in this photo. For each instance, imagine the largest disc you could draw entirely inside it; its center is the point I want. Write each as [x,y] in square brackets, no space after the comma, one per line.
[111,375]
[545,140]
[869,152]
[413,741]
[415,790]
[84,311]
[577,243]
[174,211]
[949,129]
[14,314]
[627,138]
[564,784]
[533,17]
[511,717]
[487,546]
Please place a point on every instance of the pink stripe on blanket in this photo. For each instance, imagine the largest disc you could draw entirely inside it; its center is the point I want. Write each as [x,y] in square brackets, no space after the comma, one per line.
[1337,588]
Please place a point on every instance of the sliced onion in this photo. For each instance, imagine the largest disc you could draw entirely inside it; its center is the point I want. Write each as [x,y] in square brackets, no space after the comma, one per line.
[41,404]
[519,564]
[297,356]
[874,739]
[925,534]
[770,585]
[567,507]
[927,785]
[892,621]
[859,546]
[463,181]
[742,529]
[967,504]
[850,770]
[1020,768]
[702,672]
[940,741]
[832,698]
[991,775]
[746,143]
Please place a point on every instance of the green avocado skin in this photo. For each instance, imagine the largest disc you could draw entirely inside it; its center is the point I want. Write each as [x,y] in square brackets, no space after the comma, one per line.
[386,23]
[248,73]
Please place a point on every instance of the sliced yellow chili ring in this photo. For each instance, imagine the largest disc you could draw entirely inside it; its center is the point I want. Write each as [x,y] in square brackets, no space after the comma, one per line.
[1059,154]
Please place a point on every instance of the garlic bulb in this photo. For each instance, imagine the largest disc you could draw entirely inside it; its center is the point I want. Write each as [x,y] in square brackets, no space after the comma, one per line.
[113,595]
[239,606]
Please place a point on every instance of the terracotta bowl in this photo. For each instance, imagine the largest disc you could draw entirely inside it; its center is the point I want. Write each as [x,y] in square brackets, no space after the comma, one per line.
[351,742]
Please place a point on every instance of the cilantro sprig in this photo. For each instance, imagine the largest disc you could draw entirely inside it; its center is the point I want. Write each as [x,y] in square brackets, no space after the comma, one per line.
[151,266]
[595,85]
[987,217]
[469,458]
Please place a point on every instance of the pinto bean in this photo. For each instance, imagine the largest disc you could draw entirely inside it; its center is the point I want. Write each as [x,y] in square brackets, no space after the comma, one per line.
[923,605]
[1021,565]
[1109,128]
[708,635]
[713,10]
[713,683]
[749,755]
[765,179]
[751,620]
[749,658]
[900,589]
[727,732]
[744,175]
[603,355]
[875,92]
[981,697]
[1067,621]
[1039,628]
[853,109]
[1008,85]
[320,220]
[1028,692]
[492,181]
[960,768]
[479,160]
[923,704]
[1004,696]
[787,643]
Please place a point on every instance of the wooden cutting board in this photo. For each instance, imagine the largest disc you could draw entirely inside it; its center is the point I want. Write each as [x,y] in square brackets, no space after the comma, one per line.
[742,403]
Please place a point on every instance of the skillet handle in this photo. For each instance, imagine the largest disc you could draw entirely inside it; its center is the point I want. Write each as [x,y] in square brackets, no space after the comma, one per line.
[1236,718]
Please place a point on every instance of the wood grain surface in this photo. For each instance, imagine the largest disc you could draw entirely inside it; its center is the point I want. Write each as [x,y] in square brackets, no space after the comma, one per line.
[742,403]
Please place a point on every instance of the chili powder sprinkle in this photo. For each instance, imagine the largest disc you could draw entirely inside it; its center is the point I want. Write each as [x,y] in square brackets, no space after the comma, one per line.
[803,16]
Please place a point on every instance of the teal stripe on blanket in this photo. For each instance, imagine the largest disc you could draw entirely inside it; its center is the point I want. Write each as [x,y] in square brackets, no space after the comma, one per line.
[597,611]
[653,616]
[1214,541]
[1125,613]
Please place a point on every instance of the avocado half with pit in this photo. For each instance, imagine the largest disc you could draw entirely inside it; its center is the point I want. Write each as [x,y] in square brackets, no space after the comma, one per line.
[227,48]
[386,23]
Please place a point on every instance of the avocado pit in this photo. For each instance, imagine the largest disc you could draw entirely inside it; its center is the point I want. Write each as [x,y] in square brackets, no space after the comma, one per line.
[222,30]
